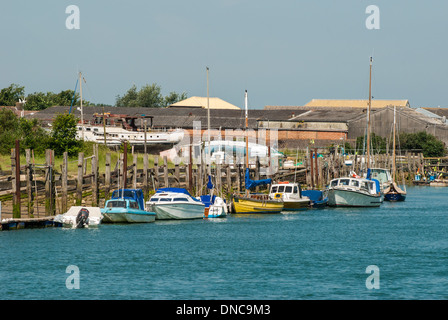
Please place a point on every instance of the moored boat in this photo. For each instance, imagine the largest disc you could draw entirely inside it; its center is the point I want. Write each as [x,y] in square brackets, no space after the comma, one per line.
[127,206]
[79,217]
[354,192]
[175,203]
[126,211]
[393,192]
[215,207]
[318,198]
[256,202]
[291,194]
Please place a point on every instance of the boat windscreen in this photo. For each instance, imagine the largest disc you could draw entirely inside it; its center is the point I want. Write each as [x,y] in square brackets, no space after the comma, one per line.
[116,204]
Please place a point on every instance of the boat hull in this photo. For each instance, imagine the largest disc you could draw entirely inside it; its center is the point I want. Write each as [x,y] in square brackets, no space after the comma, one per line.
[131,216]
[174,211]
[291,205]
[348,198]
[248,205]
[215,211]
[318,199]
[394,197]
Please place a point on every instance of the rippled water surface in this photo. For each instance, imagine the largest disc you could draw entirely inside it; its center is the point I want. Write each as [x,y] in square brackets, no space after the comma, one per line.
[314,254]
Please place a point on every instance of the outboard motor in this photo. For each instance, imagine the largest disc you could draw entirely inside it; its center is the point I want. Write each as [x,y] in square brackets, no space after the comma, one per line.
[82,219]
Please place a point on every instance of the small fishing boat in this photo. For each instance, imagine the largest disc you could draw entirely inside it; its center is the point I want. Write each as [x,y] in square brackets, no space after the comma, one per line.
[393,192]
[175,203]
[318,198]
[79,217]
[354,192]
[126,211]
[127,206]
[291,194]
[256,202]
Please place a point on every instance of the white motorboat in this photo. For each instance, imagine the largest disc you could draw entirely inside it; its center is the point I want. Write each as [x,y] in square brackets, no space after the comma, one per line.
[79,217]
[175,203]
[354,192]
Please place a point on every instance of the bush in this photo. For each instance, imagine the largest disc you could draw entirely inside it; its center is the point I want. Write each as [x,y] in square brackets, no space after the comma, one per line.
[427,143]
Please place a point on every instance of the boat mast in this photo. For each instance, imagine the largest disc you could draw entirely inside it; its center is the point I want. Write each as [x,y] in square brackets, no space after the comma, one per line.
[393,155]
[208,129]
[368,115]
[82,113]
[247,126]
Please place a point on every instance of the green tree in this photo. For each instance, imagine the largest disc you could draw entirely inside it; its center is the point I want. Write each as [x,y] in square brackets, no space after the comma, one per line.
[10,95]
[33,136]
[149,96]
[41,100]
[9,130]
[28,131]
[429,144]
[63,135]
[173,97]
[129,99]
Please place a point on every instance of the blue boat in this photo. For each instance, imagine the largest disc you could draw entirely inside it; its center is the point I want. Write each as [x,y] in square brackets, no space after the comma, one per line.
[394,193]
[127,206]
[318,198]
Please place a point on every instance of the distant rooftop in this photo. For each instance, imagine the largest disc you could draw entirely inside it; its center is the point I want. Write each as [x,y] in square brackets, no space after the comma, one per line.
[376,104]
[201,102]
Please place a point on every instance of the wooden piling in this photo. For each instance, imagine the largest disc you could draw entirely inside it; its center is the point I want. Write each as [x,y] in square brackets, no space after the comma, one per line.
[50,200]
[107,177]
[64,184]
[15,172]
[79,180]
[95,189]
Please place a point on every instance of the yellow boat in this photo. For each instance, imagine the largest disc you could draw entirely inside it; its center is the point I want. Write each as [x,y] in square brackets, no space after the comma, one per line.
[256,204]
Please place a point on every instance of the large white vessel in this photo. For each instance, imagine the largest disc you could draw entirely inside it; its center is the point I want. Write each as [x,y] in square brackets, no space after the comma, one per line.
[354,192]
[120,128]
[175,203]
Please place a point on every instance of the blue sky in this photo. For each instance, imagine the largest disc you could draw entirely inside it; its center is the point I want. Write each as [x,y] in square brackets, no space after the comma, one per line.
[283,52]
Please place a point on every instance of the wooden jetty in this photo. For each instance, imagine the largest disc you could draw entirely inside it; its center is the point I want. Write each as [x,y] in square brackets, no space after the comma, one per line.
[26,223]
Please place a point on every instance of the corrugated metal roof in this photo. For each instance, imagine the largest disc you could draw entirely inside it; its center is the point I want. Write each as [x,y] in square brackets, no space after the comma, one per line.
[357,103]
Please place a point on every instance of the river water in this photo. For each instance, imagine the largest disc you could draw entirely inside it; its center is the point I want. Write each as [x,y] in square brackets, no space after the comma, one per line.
[313,254]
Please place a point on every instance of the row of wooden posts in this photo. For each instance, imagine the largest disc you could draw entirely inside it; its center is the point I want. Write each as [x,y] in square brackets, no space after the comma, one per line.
[90,188]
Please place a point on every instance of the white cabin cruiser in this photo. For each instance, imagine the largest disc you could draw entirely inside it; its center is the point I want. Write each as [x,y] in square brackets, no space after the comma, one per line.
[175,203]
